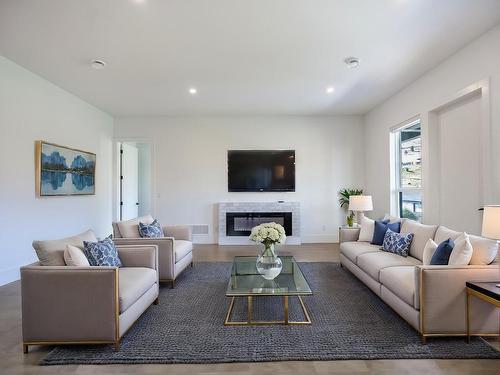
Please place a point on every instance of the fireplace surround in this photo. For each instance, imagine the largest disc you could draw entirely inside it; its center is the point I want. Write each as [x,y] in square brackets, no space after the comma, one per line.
[236,219]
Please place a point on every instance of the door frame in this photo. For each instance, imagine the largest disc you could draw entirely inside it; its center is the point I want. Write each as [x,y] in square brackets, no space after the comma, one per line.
[116,173]
[430,157]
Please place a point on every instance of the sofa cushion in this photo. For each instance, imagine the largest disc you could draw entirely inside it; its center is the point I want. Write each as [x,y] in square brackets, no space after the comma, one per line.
[401,281]
[133,283]
[397,243]
[443,233]
[429,250]
[130,228]
[182,248]
[152,230]
[462,251]
[366,231]
[421,234]
[442,254]
[51,252]
[372,263]
[102,253]
[484,250]
[74,256]
[354,249]
[381,228]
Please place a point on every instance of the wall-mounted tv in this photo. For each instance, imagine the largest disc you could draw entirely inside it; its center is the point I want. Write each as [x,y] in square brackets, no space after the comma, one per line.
[261,170]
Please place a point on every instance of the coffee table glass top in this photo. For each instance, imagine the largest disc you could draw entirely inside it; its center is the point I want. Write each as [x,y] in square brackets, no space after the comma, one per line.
[246,281]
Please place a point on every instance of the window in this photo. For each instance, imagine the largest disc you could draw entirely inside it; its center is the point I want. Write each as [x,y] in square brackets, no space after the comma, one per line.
[407,171]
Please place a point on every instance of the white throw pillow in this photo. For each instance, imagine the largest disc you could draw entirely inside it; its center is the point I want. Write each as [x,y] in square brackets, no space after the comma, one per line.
[462,251]
[429,250]
[74,256]
[367,228]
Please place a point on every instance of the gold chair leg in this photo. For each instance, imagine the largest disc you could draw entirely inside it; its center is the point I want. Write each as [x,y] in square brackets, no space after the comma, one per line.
[117,346]
[25,348]
[173,284]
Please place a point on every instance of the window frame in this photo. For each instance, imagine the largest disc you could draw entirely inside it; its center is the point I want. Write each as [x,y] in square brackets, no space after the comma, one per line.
[397,190]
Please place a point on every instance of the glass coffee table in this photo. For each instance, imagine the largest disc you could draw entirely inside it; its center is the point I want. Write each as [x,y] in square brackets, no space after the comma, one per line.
[246,282]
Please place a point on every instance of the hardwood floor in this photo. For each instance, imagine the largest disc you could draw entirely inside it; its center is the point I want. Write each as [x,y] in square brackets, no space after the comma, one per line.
[13,361]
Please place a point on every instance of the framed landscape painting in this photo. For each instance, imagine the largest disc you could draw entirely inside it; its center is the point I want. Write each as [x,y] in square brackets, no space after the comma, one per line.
[63,171]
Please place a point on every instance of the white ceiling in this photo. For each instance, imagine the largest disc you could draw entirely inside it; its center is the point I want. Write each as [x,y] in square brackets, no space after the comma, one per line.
[243,56]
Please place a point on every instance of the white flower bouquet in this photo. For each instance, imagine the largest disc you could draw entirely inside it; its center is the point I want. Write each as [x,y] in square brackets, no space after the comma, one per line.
[268,233]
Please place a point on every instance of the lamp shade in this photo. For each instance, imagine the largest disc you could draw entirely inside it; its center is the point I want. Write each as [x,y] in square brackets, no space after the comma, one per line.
[491,222]
[360,203]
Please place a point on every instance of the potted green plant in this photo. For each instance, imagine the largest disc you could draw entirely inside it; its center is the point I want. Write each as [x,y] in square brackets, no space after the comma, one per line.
[344,195]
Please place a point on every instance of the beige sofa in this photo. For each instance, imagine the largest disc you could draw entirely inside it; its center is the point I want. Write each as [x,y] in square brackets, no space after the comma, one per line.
[175,251]
[431,299]
[86,305]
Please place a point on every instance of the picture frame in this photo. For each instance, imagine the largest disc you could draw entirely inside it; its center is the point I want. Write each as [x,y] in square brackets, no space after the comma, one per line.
[63,171]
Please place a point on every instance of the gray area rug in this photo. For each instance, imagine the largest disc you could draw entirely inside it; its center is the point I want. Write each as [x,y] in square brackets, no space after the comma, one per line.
[349,322]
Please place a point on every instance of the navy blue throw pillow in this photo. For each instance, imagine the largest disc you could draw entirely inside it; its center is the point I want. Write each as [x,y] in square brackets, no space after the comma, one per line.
[442,254]
[380,229]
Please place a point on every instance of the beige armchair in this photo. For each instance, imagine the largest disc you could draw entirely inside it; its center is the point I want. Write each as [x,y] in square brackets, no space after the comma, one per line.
[175,251]
[88,305]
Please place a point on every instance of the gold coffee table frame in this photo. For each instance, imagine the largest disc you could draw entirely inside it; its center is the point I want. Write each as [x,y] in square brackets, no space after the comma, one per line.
[251,322]
[290,283]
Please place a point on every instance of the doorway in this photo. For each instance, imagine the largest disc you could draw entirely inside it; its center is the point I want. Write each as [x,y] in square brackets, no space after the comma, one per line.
[134,180]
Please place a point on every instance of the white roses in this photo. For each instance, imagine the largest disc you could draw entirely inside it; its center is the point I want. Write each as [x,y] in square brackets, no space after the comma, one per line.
[268,232]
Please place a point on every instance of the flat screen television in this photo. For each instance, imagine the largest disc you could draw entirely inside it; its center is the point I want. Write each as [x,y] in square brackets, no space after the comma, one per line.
[261,170]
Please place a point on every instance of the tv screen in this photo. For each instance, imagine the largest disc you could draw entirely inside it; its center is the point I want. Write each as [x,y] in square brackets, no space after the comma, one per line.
[261,170]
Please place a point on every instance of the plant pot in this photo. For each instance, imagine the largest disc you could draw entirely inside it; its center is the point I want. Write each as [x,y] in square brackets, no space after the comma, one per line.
[268,264]
[350,220]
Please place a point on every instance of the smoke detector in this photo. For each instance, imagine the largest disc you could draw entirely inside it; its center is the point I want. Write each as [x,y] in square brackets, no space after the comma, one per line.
[351,62]
[98,64]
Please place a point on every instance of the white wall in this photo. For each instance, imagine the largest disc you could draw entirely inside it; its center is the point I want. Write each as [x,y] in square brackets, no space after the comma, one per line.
[191,165]
[31,109]
[478,61]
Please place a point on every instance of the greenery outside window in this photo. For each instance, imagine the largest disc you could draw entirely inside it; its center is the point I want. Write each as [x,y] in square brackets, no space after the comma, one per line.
[407,171]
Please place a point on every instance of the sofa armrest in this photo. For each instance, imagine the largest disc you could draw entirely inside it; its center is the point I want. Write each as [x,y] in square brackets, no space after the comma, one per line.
[348,234]
[166,252]
[138,255]
[179,232]
[443,299]
[69,304]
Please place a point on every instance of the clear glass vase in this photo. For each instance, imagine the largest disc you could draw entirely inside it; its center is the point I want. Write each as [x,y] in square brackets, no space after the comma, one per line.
[268,263]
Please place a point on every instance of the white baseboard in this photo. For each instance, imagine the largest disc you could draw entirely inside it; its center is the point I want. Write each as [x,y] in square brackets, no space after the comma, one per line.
[320,238]
[9,275]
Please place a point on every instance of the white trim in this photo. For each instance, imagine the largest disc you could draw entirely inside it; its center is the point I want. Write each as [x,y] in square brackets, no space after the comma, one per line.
[154,173]
[481,88]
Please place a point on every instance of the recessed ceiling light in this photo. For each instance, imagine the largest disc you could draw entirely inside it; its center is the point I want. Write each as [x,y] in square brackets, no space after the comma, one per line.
[330,90]
[193,91]
[98,64]
[352,62]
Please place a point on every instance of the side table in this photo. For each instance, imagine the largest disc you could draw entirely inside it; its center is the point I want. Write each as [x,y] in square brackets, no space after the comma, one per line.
[486,291]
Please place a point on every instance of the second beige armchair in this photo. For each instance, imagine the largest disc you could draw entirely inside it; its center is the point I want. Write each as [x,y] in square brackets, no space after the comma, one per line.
[175,251]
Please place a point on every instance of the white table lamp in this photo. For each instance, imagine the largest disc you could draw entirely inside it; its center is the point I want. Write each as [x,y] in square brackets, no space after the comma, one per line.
[491,222]
[360,204]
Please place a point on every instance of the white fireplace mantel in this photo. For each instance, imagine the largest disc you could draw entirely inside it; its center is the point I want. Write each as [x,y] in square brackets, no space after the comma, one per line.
[276,206]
